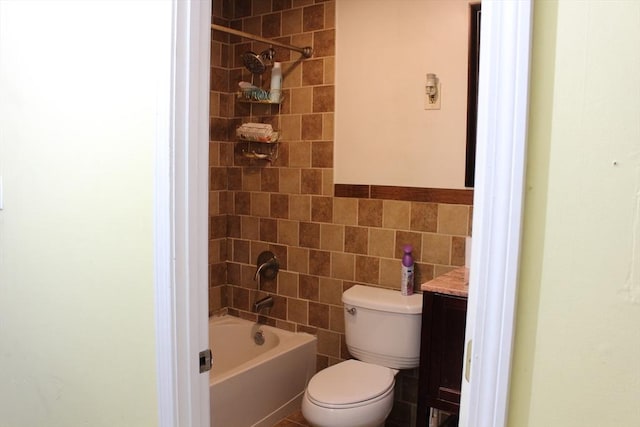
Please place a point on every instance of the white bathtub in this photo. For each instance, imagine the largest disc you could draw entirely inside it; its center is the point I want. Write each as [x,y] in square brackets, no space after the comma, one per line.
[256,385]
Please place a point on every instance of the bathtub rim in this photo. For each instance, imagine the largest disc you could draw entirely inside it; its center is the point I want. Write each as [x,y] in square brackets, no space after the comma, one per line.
[289,340]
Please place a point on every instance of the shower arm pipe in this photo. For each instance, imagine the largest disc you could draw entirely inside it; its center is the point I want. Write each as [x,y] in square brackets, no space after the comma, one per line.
[305,51]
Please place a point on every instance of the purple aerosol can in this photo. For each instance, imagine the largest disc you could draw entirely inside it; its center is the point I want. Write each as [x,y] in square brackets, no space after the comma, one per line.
[406,283]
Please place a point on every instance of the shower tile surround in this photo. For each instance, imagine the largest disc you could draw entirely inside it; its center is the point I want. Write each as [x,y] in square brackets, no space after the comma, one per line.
[327,238]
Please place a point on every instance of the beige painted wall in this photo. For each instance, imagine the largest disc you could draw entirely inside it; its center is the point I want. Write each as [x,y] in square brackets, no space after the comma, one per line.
[77,121]
[383,134]
[578,335]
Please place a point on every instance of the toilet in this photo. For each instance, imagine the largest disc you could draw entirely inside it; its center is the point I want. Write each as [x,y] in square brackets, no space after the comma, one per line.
[382,330]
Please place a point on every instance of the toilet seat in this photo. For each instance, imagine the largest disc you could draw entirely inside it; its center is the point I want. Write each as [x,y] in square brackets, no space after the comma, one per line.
[350,384]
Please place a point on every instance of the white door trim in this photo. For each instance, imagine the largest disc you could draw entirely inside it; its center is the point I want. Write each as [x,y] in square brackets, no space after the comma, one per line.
[180,213]
[497,213]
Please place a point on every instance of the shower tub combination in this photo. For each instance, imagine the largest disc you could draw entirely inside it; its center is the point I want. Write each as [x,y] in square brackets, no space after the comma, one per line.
[256,385]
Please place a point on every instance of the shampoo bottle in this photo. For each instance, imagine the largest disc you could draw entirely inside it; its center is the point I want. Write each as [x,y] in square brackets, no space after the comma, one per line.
[276,83]
[406,283]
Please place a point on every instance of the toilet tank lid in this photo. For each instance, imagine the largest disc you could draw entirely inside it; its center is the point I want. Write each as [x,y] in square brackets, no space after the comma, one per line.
[382,299]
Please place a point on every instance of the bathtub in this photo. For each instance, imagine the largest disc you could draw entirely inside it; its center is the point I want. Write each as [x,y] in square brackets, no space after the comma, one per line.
[256,385]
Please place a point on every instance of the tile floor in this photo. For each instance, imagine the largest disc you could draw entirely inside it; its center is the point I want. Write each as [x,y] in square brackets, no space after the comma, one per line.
[297,420]
[293,420]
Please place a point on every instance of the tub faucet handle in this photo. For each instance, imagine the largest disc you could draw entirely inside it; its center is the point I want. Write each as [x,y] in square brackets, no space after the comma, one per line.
[267,266]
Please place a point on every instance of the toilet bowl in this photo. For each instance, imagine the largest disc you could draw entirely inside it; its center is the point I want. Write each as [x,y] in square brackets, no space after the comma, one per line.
[349,394]
[382,330]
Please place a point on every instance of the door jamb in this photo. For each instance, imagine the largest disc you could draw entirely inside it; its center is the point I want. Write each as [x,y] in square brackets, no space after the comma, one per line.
[498,198]
[180,218]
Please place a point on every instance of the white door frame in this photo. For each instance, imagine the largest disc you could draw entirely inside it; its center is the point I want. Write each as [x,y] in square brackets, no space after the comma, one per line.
[503,102]
[180,218]
[181,211]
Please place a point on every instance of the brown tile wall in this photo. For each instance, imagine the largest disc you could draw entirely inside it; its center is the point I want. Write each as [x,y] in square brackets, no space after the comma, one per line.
[325,244]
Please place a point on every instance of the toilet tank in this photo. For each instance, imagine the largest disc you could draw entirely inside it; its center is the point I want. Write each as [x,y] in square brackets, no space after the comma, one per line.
[383,326]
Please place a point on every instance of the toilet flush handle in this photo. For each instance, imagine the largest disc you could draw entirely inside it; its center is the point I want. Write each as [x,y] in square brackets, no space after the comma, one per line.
[351,310]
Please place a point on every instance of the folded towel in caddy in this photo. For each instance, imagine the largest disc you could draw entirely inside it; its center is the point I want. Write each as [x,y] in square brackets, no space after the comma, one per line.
[256,132]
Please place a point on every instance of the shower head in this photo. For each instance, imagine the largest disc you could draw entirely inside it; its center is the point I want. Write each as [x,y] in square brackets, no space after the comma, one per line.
[257,64]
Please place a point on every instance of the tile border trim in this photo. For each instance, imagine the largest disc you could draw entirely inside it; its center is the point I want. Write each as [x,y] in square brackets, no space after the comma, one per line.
[410,194]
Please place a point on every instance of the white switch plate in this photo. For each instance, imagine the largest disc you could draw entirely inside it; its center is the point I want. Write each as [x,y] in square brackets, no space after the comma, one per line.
[436,105]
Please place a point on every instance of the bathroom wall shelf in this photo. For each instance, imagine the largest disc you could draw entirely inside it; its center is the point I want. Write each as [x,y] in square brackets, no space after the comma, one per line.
[260,150]
[275,136]
[245,98]
[254,144]
[251,144]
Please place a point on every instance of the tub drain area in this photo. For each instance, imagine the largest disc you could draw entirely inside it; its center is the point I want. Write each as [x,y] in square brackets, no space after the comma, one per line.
[258,338]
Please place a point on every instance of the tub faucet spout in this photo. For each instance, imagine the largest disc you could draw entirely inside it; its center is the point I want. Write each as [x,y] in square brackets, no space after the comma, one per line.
[261,304]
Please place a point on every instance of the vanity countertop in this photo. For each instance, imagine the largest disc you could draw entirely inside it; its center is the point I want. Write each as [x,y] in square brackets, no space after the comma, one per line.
[455,282]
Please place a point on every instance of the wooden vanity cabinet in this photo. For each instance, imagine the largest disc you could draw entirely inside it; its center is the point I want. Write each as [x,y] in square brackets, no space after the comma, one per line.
[441,354]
